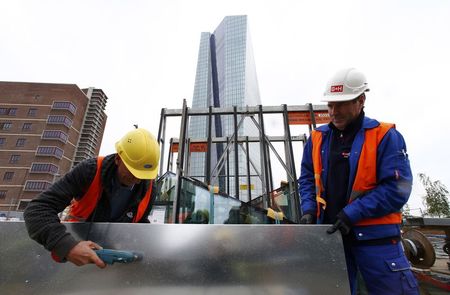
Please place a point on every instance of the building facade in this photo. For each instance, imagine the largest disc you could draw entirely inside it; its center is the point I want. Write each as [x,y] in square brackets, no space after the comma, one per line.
[226,77]
[44,130]
[93,126]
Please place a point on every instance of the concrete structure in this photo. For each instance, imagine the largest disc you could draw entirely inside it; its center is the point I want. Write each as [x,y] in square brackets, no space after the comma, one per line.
[44,130]
[225,77]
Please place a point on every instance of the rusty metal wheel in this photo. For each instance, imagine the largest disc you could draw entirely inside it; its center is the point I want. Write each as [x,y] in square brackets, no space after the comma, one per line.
[446,248]
[418,249]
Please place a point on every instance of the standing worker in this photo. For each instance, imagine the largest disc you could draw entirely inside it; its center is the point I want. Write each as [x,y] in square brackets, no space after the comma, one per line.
[115,188]
[355,175]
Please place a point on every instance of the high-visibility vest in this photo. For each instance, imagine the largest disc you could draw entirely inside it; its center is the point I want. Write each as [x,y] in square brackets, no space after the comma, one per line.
[366,174]
[81,209]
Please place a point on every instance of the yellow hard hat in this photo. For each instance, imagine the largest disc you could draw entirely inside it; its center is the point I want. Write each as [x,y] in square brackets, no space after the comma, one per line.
[140,152]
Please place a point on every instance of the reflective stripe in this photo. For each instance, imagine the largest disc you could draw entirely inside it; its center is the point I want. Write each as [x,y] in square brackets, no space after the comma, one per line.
[393,218]
[316,137]
[82,208]
[144,203]
[366,175]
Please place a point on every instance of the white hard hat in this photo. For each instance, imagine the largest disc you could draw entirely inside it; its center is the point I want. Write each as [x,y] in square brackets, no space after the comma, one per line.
[346,84]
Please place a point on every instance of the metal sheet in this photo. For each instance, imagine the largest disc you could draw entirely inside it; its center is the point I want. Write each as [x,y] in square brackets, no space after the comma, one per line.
[182,259]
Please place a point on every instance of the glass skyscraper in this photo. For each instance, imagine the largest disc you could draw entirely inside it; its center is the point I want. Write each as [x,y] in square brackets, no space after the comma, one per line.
[226,77]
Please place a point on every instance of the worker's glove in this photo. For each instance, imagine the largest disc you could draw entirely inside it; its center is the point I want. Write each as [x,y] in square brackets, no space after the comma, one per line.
[342,223]
[307,219]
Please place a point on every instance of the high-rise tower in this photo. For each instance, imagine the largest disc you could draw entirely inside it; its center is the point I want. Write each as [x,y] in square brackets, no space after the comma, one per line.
[45,129]
[225,77]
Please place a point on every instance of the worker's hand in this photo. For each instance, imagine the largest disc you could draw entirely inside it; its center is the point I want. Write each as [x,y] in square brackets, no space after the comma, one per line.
[342,223]
[307,219]
[83,253]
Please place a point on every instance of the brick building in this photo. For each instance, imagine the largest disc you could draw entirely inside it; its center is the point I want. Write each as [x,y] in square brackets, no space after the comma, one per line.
[45,129]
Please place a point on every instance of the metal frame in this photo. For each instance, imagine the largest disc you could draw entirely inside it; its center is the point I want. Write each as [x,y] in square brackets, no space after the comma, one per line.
[235,140]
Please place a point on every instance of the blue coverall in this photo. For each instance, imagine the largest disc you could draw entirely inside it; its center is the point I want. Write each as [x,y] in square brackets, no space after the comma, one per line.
[384,267]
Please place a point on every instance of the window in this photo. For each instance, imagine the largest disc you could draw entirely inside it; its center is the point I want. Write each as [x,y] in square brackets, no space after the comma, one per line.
[2,195]
[2,141]
[32,112]
[8,176]
[8,111]
[36,186]
[14,159]
[5,125]
[50,151]
[44,168]
[20,142]
[26,127]
[55,134]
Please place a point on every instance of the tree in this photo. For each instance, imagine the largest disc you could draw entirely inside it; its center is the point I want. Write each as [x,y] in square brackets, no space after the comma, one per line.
[436,200]
[406,210]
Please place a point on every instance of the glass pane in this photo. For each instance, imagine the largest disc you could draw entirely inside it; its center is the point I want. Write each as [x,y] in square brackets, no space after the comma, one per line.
[281,201]
[197,205]
[166,187]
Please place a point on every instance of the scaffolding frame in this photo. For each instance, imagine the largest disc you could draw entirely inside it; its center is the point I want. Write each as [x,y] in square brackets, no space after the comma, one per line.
[292,115]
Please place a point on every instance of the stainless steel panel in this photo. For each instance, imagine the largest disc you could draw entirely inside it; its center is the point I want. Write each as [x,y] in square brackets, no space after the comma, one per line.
[182,259]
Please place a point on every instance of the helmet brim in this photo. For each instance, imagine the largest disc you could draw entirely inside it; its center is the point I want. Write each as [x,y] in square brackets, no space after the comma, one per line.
[142,174]
[342,97]
[333,98]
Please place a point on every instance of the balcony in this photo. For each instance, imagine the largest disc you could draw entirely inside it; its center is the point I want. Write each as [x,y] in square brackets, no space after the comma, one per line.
[47,168]
[51,151]
[62,120]
[36,185]
[64,105]
[55,134]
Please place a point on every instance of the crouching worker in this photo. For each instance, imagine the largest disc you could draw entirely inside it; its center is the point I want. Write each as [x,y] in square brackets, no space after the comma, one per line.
[115,188]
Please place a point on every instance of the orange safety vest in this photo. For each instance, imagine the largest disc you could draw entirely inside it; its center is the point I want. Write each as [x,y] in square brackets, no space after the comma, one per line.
[81,209]
[366,174]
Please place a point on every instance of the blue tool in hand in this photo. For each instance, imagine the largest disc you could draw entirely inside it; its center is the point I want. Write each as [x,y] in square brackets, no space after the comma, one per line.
[110,256]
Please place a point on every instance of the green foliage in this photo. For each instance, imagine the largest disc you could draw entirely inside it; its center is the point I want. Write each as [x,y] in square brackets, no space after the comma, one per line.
[406,210]
[436,200]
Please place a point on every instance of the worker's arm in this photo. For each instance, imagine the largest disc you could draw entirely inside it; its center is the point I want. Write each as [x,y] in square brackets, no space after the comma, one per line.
[41,214]
[306,184]
[394,179]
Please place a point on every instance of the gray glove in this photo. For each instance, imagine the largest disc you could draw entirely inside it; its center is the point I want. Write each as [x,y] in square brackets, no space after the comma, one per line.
[307,219]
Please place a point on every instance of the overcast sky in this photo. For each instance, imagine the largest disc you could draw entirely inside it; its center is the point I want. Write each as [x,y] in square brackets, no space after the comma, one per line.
[143,55]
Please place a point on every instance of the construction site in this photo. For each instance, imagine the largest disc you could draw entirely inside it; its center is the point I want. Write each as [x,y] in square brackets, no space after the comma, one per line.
[229,194]
[231,230]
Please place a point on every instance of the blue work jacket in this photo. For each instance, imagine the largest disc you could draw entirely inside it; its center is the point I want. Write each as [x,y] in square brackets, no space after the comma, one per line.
[394,181]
